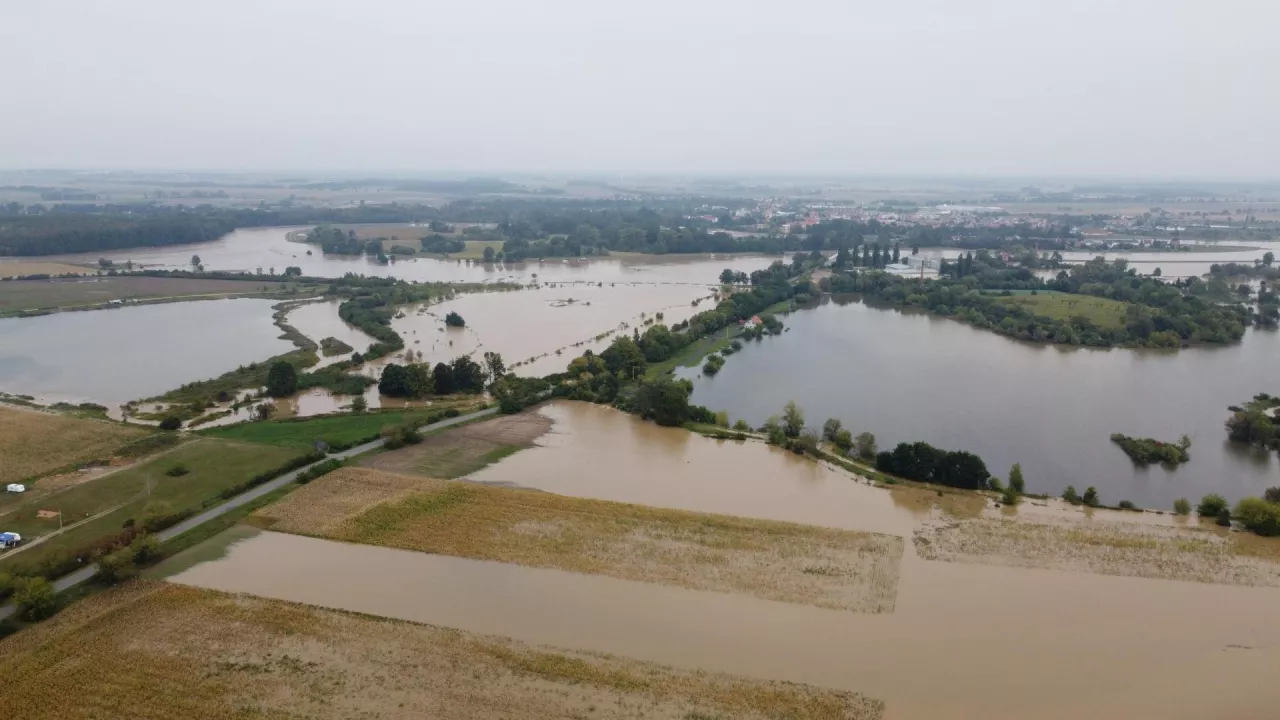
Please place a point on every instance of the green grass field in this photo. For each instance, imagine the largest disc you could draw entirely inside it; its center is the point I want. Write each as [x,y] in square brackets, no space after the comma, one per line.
[1104,312]
[213,465]
[301,435]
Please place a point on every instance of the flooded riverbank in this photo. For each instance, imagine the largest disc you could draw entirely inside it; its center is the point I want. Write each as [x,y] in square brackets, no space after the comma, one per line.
[110,357]
[911,376]
[267,249]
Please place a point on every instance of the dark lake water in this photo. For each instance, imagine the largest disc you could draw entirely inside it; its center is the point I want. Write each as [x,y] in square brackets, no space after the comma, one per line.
[908,377]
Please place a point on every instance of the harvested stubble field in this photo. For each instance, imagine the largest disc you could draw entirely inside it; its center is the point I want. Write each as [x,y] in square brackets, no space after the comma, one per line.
[1107,546]
[152,650]
[33,442]
[787,562]
[464,450]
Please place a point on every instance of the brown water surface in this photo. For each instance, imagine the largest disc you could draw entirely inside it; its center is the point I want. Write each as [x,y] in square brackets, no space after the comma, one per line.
[966,641]
[598,452]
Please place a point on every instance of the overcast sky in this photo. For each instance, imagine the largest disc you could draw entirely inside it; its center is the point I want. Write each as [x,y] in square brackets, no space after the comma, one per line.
[1133,88]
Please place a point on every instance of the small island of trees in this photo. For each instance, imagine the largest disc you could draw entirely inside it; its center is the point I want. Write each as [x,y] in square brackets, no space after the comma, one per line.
[453,319]
[1145,451]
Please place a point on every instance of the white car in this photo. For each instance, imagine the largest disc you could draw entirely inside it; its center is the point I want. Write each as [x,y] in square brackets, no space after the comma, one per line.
[16,488]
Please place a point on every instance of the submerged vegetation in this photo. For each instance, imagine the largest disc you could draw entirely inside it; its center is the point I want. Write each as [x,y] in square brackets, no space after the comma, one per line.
[1145,451]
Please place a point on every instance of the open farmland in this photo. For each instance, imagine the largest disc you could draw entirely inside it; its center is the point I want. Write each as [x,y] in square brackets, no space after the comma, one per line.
[33,443]
[18,269]
[150,650]
[99,507]
[30,295]
[829,568]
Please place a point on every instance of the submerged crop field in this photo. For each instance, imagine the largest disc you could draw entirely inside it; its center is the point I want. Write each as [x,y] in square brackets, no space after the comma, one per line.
[829,568]
[152,650]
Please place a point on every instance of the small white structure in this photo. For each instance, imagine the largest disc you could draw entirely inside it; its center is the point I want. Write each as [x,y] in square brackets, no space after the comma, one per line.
[10,539]
[901,269]
[16,488]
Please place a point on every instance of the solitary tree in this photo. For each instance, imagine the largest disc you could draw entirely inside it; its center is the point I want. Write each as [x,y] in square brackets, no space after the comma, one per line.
[453,319]
[792,419]
[866,444]
[1090,496]
[195,261]
[1015,479]
[494,366]
[35,599]
[488,254]
[282,379]
[830,428]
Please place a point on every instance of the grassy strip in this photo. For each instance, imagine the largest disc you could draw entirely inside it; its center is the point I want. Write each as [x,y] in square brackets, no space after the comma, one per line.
[691,355]
[337,431]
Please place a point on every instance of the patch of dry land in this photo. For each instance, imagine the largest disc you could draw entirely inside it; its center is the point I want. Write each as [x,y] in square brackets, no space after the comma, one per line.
[18,269]
[151,650]
[1108,543]
[464,450]
[34,442]
[829,568]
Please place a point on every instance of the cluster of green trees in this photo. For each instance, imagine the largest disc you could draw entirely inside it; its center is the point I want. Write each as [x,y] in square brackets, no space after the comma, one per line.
[925,463]
[40,230]
[453,319]
[869,257]
[442,245]
[1254,424]
[417,380]
[1159,314]
[1145,451]
[1259,515]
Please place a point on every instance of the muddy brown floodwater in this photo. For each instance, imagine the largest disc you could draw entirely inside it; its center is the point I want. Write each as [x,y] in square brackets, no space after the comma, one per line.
[529,326]
[964,640]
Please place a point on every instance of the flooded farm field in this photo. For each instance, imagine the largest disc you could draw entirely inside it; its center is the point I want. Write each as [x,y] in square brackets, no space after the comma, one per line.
[964,639]
[113,356]
[266,249]
[1139,648]
[530,326]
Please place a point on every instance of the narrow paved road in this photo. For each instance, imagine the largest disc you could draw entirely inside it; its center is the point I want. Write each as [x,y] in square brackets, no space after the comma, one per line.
[79,576]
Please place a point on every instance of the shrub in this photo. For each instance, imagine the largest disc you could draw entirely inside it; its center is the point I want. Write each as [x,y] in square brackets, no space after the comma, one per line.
[1090,496]
[177,470]
[116,567]
[1211,505]
[35,598]
[741,426]
[1070,495]
[1016,480]
[994,483]
[1127,505]
[170,422]
[323,468]
[145,549]
[843,440]
[452,413]
[1258,515]
[866,445]
[1272,495]
[1224,517]
[1010,496]
[1182,506]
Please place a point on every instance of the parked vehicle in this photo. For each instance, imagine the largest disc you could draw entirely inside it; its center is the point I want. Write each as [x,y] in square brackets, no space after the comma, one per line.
[10,539]
[16,488]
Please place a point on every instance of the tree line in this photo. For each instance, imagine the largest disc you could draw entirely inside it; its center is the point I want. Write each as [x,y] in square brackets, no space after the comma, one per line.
[40,230]
[1158,314]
